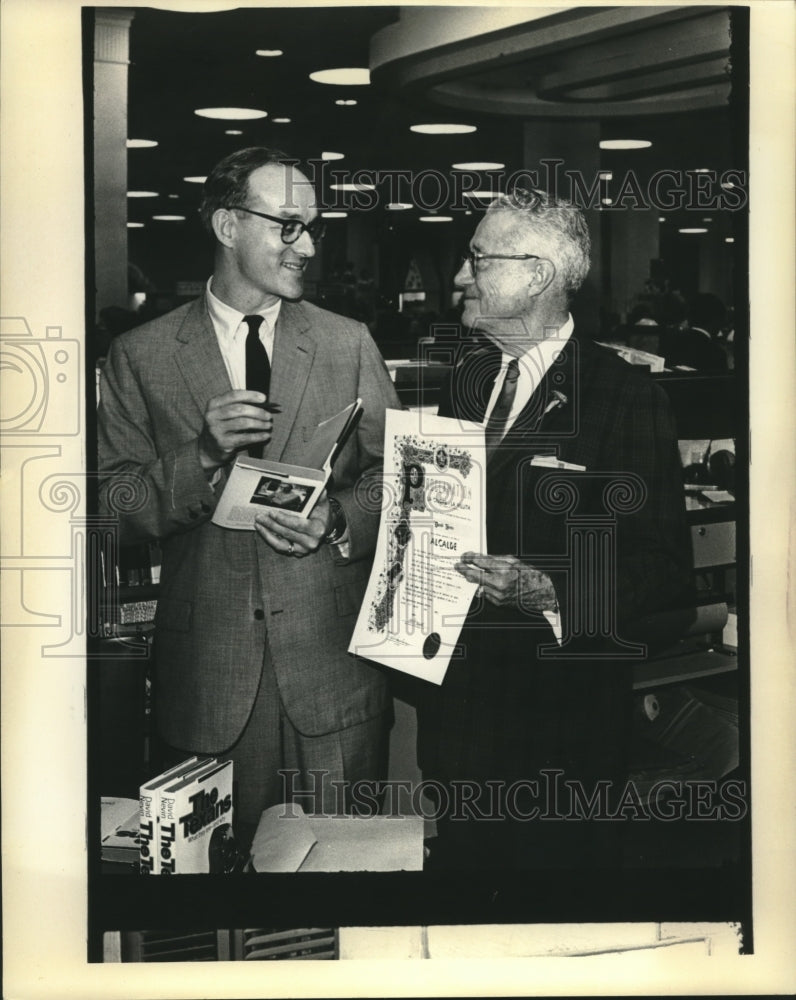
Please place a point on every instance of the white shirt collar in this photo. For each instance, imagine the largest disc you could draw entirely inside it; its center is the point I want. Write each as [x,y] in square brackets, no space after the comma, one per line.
[227,321]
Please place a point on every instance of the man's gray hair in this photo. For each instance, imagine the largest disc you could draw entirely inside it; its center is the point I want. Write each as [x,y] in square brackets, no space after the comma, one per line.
[560,233]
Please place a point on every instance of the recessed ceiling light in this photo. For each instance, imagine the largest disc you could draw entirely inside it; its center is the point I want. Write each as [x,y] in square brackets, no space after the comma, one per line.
[174,196]
[701,170]
[606,175]
[334,215]
[353,187]
[693,229]
[661,218]
[707,218]
[343,103]
[332,156]
[483,194]
[233,114]
[478,165]
[350,77]
[281,121]
[442,129]
[135,225]
[729,239]
[606,201]
[141,143]
[625,144]
[232,131]
[468,211]
[727,185]
[169,218]
[269,53]
[142,194]
[195,180]
[399,206]
[436,218]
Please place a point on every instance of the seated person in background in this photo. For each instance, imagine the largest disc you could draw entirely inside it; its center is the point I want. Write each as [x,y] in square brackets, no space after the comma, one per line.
[697,346]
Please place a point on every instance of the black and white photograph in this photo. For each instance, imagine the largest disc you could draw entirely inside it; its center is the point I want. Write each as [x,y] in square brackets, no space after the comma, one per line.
[530,229]
[278,493]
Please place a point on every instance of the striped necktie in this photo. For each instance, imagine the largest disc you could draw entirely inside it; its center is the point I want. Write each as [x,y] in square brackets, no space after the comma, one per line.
[498,419]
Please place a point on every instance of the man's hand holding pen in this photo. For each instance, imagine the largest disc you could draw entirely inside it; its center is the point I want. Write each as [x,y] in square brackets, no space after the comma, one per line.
[234,420]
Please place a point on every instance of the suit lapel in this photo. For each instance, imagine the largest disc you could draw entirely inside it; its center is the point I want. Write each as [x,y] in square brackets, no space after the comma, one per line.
[198,357]
[294,352]
[553,404]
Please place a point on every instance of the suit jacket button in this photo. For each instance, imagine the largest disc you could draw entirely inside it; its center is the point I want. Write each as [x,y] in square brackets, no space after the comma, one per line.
[259,614]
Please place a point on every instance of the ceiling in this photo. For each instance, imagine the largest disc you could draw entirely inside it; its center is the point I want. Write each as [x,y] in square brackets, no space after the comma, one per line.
[602,64]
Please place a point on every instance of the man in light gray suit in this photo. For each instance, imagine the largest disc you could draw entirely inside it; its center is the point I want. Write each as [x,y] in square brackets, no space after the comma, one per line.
[252,628]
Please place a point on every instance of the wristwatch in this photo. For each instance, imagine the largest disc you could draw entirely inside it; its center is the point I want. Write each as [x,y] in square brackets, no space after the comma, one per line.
[337,522]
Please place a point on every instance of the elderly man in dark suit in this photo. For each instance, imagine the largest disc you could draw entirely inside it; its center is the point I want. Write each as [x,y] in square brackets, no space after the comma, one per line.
[252,628]
[586,540]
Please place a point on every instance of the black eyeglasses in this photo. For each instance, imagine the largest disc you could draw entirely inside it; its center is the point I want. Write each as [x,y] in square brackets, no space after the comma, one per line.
[291,228]
[473,257]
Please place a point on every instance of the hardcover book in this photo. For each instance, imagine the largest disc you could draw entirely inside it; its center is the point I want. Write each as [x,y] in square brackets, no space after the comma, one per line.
[196,834]
[258,483]
[148,812]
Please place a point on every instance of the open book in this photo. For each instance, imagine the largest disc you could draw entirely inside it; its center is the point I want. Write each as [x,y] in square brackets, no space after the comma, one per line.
[255,483]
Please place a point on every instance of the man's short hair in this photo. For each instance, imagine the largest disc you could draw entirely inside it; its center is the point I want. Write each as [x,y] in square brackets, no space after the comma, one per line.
[560,233]
[228,182]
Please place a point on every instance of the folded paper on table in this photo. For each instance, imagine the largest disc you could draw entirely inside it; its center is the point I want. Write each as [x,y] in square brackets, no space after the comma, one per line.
[287,840]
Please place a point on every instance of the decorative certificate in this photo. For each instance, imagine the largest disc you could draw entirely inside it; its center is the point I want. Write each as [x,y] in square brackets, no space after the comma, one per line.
[433,510]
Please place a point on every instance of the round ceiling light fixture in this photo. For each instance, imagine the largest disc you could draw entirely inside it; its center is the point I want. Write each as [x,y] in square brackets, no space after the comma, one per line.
[625,144]
[141,143]
[353,187]
[269,53]
[343,77]
[332,156]
[334,215]
[195,180]
[233,131]
[142,194]
[231,114]
[692,229]
[135,225]
[345,103]
[478,165]
[485,194]
[436,218]
[281,121]
[399,206]
[169,218]
[442,128]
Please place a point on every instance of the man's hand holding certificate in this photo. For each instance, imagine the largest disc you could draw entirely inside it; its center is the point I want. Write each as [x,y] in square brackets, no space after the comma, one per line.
[432,514]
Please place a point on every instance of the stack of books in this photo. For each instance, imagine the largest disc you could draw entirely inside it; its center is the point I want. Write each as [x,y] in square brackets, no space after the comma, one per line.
[185,820]
[180,824]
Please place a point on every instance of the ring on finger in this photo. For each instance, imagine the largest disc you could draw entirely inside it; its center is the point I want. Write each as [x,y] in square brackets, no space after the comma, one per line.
[290,550]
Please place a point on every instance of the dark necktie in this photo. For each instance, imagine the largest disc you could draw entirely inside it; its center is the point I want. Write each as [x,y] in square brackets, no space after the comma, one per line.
[258,368]
[496,425]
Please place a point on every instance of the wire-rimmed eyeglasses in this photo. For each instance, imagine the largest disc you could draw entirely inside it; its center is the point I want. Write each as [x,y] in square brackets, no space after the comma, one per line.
[291,228]
[473,257]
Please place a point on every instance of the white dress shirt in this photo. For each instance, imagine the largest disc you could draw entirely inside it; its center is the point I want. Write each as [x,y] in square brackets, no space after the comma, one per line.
[231,332]
[534,365]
